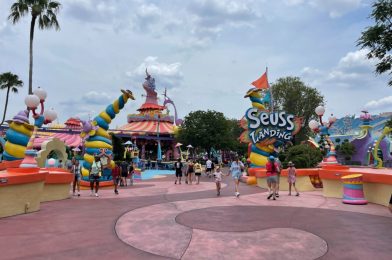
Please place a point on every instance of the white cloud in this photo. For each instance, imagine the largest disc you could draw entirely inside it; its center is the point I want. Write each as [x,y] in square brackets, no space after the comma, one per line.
[97,98]
[380,104]
[169,75]
[336,8]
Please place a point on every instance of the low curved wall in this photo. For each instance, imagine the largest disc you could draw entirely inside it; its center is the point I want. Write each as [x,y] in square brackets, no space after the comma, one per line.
[377,183]
[20,191]
[57,184]
[302,183]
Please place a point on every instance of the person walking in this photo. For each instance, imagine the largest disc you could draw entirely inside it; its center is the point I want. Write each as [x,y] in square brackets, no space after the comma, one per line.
[95,174]
[76,169]
[190,170]
[209,168]
[236,169]
[218,179]
[116,171]
[272,168]
[185,170]
[178,166]
[131,171]
[198,171]
[291,177]
[124,173]
[278,171]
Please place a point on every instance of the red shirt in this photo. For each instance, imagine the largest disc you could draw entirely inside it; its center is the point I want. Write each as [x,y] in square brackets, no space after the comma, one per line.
[115,171]
[268,167]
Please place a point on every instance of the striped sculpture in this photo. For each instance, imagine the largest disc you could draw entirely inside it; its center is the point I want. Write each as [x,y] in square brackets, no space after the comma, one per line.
[97,139]
[353,189]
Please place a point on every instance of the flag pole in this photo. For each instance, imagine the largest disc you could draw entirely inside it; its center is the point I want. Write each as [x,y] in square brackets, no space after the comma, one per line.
[270,90]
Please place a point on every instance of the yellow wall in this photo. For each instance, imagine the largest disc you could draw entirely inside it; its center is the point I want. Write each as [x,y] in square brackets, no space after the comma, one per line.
[20,199]
[374,192]
[377,193]
[55,192]
[302,183]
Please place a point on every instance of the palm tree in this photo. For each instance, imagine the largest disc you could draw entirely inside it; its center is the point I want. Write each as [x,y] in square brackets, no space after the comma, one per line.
[10,82]
[43,10]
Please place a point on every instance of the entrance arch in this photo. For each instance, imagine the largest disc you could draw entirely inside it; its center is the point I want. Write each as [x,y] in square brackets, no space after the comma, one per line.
[51,145]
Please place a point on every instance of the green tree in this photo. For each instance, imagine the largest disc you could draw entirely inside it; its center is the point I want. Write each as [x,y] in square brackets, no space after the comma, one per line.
[42,10]
[234,143]
[206,130]
[378,38]
[389,123]
[303,156]
[11,82]
[347,149]
[290,94]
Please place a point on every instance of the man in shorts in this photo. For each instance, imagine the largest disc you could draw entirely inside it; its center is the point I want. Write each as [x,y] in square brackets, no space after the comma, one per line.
[209,168]
[178,167]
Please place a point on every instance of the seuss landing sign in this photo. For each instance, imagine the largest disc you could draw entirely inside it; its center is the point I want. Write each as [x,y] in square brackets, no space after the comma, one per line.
[264,125]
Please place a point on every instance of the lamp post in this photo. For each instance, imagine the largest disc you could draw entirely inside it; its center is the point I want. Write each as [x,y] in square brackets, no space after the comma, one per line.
[43,117]
[322,128]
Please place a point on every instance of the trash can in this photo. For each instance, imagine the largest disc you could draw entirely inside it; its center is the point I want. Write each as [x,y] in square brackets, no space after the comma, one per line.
[353,190]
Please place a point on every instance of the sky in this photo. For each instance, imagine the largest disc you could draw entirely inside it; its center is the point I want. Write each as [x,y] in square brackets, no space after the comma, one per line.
[205,52]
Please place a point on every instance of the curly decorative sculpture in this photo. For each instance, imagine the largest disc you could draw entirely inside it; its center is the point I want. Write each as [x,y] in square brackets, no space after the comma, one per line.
[167,100]
[260,149]
[97,139]
[18,136]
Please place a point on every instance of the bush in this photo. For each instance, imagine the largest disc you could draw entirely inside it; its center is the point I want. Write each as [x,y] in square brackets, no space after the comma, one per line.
[303,156]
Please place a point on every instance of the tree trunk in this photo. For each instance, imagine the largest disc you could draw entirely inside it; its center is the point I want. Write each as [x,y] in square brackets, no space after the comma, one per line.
[6,105]
[31,54]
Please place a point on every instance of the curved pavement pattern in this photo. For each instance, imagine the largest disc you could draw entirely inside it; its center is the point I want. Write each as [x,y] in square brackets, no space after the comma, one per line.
[159,220]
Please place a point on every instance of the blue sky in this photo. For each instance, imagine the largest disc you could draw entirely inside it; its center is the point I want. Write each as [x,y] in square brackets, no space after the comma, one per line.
[205,52]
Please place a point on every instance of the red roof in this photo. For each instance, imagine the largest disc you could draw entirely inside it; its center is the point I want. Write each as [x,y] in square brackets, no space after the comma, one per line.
[73,123]
[148,127]
[151,106]
[70,140]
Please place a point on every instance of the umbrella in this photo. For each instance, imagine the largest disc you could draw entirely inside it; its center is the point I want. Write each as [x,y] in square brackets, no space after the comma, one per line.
[178,144]
[76,149]
[128,143]
[189,146]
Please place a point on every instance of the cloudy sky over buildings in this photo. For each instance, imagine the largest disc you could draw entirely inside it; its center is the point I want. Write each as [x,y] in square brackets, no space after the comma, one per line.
[205,52]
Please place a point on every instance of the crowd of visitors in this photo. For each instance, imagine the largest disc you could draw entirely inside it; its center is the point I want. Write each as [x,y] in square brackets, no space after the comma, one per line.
[191,170]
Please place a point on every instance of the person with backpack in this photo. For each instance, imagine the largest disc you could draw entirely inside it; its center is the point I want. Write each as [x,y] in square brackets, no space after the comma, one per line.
[272,176]
[95,174]
[178,167]
[198,170]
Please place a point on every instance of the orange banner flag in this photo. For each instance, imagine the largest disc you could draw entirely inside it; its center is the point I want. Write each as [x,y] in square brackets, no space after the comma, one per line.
[262,82]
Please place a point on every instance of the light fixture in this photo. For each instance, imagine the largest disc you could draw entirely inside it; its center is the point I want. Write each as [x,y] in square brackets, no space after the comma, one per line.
[50,115]
[40,93]
[32,101]
[320,110]
[313,124]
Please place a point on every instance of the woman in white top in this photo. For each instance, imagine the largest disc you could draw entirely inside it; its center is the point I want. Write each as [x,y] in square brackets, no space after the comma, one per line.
[236,169]
[95,175]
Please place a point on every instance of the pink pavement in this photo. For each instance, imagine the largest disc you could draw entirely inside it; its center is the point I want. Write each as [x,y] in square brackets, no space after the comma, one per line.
[159,220]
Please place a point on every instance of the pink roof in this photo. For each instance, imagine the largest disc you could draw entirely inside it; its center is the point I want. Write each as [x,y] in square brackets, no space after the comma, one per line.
[70,140]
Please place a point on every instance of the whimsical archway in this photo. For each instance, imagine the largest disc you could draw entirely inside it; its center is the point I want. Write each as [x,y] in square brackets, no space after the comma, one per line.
[52,144]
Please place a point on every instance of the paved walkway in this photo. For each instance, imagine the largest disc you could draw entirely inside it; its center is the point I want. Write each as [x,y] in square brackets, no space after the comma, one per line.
[159,220]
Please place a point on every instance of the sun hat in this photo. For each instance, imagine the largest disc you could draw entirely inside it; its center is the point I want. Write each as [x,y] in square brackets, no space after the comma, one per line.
[290,163]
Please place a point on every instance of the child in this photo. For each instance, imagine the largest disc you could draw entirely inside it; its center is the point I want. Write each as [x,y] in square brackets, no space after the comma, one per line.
[218,179]
[291,177]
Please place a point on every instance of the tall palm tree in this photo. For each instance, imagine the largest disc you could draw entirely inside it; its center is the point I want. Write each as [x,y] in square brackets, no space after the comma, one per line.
[43,10]
[10,82]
